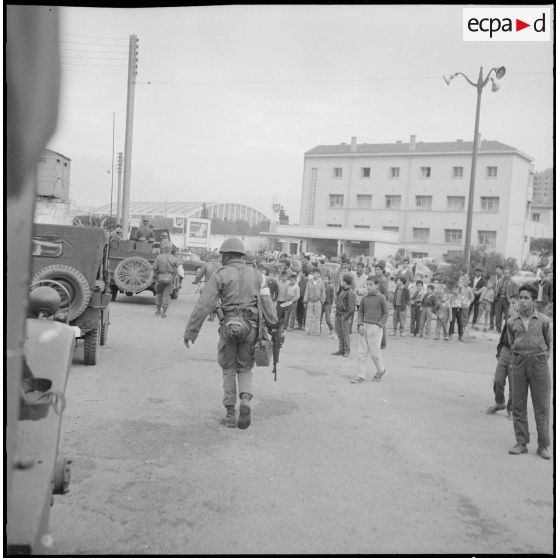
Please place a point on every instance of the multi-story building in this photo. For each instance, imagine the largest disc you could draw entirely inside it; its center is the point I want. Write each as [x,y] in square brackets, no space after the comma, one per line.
[420,190]
[543,187]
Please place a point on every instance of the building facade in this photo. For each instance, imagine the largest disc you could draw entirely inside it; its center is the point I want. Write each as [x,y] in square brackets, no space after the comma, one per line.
[420,191]
[543,187]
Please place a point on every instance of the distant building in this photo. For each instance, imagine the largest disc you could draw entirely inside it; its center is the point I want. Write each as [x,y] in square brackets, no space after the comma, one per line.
[420,191]
[52,199]
[175,215]
[183,210]
[543,187]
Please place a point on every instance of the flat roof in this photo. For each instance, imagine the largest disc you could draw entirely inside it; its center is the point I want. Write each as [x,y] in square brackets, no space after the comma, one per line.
[334,233]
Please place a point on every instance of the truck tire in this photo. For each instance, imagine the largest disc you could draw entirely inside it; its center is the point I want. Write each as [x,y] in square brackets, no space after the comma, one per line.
[74,281]
[104,327]
[133,274]
[91,344]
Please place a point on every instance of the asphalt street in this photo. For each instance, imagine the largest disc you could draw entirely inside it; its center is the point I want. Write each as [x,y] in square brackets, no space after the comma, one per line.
[411,464]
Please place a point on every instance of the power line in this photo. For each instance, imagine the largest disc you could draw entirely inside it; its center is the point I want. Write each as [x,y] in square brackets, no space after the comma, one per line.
[76,49]
[94,37]
[280,82]
[93,58]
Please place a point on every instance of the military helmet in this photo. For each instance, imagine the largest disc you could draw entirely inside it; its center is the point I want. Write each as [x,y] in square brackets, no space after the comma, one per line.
[250,257]
[233,245]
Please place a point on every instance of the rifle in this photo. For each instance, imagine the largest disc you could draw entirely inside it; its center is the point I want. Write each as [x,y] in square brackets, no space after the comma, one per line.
[277,338]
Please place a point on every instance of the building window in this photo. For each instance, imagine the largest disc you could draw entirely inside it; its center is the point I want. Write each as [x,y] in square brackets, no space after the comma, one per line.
[337,172]
[333,225]
[536,217]
[457,172]
[393,202]
[57,161]
[491,172]
[364,201]
[490,205]
[423,202]
[456,203]
[421,235]
[425,172]
[335,200]
[65,164]
[392,229]
[362,226]
[487,238]
[365,172]
[394,172]
[453,236]
[418,255]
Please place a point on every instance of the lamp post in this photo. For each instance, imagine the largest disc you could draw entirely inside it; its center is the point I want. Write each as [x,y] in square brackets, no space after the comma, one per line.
[481,83]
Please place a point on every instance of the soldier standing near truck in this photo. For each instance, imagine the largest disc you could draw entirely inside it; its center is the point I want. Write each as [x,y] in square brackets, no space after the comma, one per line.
[237,286]
[164,268]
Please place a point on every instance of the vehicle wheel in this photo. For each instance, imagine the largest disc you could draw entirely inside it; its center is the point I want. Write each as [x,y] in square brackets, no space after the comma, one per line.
[104,327]
[113,292]
[128,294]
[133,274]
[74,281]
[92,341]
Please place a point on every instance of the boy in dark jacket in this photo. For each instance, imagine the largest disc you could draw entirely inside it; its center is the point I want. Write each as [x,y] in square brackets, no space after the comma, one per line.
[400,302]
[344,309]
[504,356]
[429,304]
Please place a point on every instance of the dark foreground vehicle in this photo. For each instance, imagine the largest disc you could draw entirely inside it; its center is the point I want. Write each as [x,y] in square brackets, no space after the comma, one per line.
[76,258]
[131,266]
[38,349]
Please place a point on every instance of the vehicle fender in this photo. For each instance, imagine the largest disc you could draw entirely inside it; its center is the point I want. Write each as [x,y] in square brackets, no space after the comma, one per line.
[48,349]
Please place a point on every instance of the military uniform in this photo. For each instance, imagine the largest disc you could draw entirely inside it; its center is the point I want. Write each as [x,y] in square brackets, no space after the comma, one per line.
[236,285]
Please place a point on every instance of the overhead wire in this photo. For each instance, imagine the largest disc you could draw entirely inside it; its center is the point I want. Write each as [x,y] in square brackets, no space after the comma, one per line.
[302,81]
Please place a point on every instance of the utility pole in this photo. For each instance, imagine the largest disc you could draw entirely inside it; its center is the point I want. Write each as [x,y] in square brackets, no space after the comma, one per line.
[119,194]
[132,73]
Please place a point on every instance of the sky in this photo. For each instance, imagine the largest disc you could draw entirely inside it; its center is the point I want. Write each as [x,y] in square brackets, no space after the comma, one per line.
[229,98]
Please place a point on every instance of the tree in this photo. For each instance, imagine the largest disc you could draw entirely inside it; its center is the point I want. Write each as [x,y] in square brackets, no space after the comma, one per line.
[542,245]
[283,217]
[487,261]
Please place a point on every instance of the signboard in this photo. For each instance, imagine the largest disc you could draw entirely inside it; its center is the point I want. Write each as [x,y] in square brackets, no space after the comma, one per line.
[197,232]
[178,222]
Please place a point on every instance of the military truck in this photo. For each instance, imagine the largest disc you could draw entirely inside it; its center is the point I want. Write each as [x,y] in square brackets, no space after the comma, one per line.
[130,266]
[76,258]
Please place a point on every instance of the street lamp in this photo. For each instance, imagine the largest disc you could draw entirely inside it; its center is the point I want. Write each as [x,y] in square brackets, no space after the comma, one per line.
[481,83]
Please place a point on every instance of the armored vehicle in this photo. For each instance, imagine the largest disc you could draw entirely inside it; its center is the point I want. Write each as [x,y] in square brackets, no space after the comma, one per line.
[76,257]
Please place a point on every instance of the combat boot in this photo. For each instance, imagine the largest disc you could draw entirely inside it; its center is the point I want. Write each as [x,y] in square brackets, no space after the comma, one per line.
[158,311]
[164,312]
[230,418]
[244,414]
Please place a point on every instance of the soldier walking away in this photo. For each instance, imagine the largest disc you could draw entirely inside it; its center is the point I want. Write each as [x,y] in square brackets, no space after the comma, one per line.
[237,286]
[164,268]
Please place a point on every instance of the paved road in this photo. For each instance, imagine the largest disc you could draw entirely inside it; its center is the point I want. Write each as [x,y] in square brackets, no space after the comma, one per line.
[409,465]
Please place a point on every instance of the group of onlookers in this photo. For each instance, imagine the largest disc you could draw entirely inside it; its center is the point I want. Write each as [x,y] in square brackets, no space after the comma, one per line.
[517,312]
